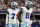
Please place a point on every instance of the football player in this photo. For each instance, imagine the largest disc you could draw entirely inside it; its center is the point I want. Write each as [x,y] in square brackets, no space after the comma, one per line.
[25,13]
[11,18]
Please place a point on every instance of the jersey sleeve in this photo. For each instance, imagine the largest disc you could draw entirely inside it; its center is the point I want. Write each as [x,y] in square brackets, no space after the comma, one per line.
[7,10]
[21,8]
[7,19]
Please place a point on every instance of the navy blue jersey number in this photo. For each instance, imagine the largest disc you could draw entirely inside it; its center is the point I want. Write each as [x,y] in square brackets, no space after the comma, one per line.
[27,15]
[13,15]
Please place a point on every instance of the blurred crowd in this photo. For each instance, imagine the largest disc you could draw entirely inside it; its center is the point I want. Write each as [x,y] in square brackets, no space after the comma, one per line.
[4,4]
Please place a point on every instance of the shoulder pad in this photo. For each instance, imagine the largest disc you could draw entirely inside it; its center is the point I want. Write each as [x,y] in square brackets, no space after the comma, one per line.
[22,8]
[8,10]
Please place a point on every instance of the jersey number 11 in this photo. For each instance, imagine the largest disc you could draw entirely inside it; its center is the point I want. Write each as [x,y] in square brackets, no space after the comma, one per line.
[27,15]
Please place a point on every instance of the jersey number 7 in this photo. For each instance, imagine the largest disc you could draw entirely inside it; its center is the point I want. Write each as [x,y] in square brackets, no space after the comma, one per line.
[13,15]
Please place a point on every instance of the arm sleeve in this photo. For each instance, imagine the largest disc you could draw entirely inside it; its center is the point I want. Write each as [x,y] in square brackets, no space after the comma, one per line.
[7,10]
[7,19]
[21,8]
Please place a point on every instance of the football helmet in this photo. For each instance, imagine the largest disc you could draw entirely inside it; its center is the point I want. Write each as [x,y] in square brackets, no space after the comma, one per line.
[14,4]
[28,4]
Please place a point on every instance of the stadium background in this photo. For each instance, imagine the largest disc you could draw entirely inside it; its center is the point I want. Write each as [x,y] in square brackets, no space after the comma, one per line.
[4,4]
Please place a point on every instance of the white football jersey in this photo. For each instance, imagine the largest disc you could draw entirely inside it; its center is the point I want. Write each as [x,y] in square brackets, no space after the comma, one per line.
[12,15]
[26,14]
